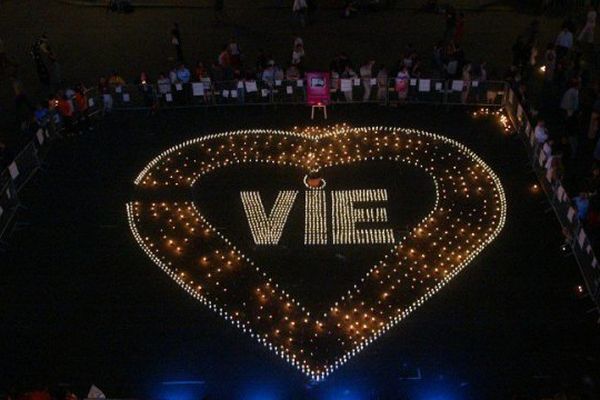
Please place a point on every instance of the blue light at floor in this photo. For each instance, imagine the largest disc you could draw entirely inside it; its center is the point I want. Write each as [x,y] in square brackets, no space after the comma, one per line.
[261,394]
[341,391]
[436,394]
[181,390]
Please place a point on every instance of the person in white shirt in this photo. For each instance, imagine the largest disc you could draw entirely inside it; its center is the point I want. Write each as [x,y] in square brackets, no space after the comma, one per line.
[366,73]
[540,132]
[298,55]
[587,33]
[564,42]
[382,84]
[164,84]
[570,100]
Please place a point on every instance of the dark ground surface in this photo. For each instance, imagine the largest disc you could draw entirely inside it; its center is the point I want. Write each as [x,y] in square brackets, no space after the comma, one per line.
[82,304]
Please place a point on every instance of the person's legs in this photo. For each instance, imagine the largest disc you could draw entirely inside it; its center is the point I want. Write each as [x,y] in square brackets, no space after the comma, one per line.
[367,89]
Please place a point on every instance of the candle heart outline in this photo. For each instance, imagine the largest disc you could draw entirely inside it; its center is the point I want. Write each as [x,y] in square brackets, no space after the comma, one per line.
[396,144]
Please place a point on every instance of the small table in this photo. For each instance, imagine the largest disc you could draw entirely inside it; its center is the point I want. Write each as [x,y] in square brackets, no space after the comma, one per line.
[321,106]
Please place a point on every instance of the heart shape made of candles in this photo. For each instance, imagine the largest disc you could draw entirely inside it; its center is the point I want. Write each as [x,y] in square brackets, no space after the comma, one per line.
[469,212]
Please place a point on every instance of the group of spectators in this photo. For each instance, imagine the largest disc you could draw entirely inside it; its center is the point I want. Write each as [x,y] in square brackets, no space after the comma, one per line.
[66,107]
[447,60]
[566,108]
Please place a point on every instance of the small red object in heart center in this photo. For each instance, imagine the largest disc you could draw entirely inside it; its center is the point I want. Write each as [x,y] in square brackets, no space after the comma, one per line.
[469,212]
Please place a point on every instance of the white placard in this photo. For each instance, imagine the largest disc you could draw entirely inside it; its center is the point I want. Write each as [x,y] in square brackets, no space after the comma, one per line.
[346,85]
[571,214]
[438,86]
[234,94]
[532,139]
[542,158]
[475,83]
[178,87]
[560,192]
[413,82]
[126,97]
[240,84]
[457,86]
[581,238]
[277,82]
[251,87]
[118,89]
[168,97]
[424,85]
[547,149]
[40,136]
[198,89]
[373,81]
[289,90]
[264,92]
[14,170]
[300,83]
[91,102]
[356,81]
[225,93]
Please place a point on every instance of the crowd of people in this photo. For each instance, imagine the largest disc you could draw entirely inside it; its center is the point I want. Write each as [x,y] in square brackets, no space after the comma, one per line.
[567,86]
[566,111]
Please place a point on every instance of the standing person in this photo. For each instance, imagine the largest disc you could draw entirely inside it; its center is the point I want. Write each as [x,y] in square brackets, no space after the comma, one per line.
[540,132]
[402,83]
[299,9]
[564,42]
[235,53]
[176,41]
[348,74]
[587,33]
[23,106]
[298,56]
[466,78]
[382,83]
[570,100]
[40,66]
[366,73]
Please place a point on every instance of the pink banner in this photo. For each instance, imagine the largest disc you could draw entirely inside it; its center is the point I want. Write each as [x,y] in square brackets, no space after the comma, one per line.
[317,88]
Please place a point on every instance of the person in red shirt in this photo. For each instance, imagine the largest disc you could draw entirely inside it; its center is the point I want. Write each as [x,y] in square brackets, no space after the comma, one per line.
[65,109]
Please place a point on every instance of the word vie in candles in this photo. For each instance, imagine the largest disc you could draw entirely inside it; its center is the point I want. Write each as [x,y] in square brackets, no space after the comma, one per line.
[356,216]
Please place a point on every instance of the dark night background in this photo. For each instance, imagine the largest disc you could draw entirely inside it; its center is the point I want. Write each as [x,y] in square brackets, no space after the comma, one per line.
[82,304]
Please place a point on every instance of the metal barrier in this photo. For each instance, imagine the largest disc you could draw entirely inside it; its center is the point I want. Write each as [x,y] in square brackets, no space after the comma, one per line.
[19,172]
[271,92]
[9,202]
[562,205]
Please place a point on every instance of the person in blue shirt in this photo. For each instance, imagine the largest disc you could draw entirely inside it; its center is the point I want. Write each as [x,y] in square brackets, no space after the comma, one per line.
[183,74]
[582,203]
[41,115]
